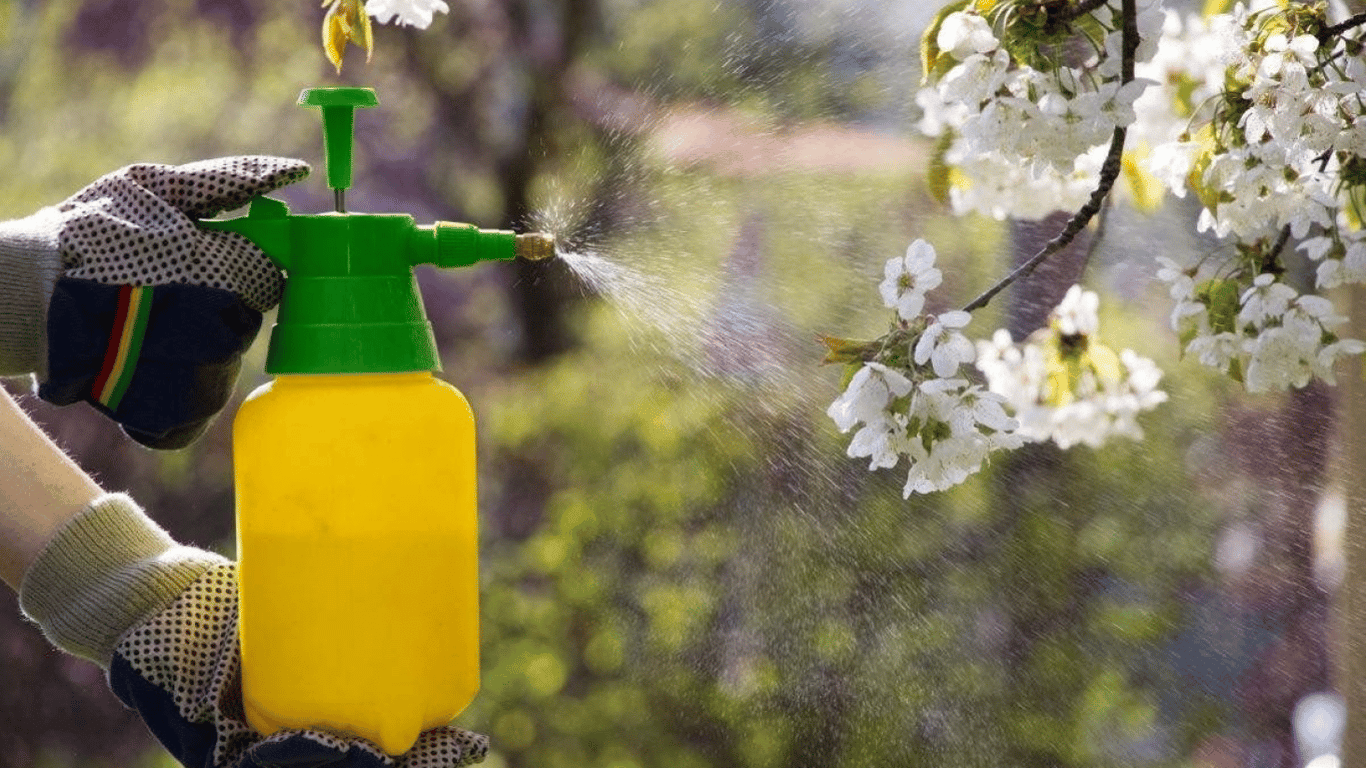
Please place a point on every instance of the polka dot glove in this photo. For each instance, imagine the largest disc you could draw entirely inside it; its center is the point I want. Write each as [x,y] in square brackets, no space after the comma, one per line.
[112,587]
[180,671]
[115,297]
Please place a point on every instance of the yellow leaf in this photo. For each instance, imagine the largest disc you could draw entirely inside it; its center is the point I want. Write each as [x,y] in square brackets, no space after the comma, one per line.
[1057,384]
[1196,178]
[334,37]
[1057,388]
[346,22]
[1216,7]
[1357,197]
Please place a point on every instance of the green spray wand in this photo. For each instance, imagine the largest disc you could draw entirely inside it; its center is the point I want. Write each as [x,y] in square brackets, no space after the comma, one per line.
[350,303]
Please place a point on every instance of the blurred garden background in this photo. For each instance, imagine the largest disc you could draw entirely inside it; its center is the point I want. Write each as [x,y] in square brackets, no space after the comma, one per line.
[680,567]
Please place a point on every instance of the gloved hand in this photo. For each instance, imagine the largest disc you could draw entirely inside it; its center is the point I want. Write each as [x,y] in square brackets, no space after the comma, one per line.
[113,588]
[117,298]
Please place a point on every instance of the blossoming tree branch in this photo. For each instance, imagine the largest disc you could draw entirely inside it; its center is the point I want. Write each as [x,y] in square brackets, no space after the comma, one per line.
[1042,105]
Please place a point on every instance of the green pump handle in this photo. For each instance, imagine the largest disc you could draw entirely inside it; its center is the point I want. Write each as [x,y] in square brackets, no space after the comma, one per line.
[350,303]
[338,106]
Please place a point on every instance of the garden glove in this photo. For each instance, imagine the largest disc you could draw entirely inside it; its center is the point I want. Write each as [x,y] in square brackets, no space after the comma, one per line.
[117,298]
[114,588]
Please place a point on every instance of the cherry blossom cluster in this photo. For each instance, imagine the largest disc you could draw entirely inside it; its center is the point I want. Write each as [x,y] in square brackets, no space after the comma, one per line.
[1267,335]
[1272,142]
[912,393]
[1063,384]
[1023,129]
[1276,139]
[1258,111]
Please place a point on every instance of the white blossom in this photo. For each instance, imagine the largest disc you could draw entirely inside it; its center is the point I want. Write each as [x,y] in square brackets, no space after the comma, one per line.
[946,427]
[1170,163]
[907,279]
[414,13]
[1216,350]
[866,400]
[1328,356]
[880,442]
[972,82]
[1279,358]
[867,396]
[1077,314]
[1340,265]
[944,346]
[1002,187]
[1296,119]
[1284,55]
[976,425]
[1025,141]
[1266,299]
[964,34]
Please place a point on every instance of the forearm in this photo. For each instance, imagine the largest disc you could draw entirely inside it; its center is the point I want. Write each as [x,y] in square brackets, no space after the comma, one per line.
[87,565]
[40,489]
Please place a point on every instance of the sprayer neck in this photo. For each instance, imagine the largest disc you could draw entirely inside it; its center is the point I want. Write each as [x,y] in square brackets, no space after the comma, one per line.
[350,302]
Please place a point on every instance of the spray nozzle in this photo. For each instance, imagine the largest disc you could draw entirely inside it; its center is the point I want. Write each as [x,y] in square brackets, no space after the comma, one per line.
[534,246]
[350,302]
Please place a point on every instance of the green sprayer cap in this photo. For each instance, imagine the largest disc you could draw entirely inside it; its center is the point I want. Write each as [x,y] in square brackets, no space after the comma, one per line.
[351,303]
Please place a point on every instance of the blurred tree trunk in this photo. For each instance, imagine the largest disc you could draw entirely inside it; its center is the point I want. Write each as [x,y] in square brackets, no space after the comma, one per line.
[1351,614]
[496,122]
[1031,480]
[541,302]
[1284,453]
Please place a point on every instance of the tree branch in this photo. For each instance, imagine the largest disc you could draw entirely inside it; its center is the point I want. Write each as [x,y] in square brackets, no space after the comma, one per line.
[1109,172]
[1337,29]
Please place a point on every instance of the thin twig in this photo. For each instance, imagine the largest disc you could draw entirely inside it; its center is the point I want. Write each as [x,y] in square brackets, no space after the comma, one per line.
[1337,29]
[1109,172]
[1280,241]
[1271,262]
[1098,237]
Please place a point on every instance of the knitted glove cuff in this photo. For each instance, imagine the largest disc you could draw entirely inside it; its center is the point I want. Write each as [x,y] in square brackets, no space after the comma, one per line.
[30,263]
[107,570]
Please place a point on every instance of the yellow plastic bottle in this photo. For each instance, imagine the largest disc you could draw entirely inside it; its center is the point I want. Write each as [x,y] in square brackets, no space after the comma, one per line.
[358,555]
[355,473]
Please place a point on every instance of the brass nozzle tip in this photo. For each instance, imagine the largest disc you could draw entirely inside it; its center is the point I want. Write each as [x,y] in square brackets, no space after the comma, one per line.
[534,246]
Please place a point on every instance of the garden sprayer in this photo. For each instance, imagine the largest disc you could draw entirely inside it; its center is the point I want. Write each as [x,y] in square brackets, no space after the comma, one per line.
[355,471]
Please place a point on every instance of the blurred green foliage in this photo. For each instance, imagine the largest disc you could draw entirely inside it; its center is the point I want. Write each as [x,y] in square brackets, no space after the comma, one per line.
[708,582]
[681,569]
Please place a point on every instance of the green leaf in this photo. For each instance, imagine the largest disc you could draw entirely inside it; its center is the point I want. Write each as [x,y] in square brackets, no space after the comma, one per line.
[1221,296]
[848,375]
